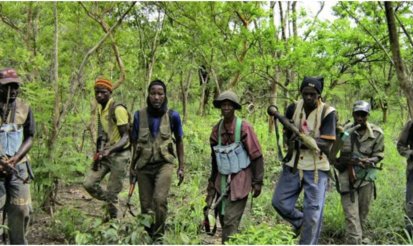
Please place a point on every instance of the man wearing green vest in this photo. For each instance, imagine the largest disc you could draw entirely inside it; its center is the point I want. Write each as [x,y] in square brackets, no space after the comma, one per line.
[16,139]
[113,150]
[156,129]
[237,164]
[358,158]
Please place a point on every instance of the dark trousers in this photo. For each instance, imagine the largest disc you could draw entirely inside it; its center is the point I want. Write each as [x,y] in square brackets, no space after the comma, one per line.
[233,214]
[409,202]
[154,181]
[18,206]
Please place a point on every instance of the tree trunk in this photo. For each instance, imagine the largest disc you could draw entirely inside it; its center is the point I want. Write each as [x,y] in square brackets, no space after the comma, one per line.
[402,77]
[50,198]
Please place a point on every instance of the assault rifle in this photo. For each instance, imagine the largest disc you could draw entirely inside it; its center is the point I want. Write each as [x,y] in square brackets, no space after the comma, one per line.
[352,162]
[131,190]
[97,158]
[209,200]
[9,170]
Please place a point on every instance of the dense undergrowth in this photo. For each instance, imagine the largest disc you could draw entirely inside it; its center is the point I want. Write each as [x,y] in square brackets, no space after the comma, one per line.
[260,223]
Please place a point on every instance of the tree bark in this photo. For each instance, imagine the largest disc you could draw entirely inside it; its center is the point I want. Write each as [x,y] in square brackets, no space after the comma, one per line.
[404,82]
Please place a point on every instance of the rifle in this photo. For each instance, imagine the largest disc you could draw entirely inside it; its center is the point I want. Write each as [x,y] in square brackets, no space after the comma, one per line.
[9,170]
[132,182]
[209,199]
[353,162]
[308,141]
[131,190]
[97,158]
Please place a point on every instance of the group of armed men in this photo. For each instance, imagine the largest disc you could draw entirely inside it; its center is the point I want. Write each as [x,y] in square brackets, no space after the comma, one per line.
[150,145]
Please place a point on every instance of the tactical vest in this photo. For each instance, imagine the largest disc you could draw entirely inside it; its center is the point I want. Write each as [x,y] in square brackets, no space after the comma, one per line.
[11,131]
[312,128]
[155,150]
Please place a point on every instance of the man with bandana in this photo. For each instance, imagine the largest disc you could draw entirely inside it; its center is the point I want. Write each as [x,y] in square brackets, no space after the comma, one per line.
[306,169]
[113,149]
[16,139]
[156,129]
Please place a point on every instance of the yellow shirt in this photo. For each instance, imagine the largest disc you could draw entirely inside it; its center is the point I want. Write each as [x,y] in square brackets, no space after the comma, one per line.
[121,119]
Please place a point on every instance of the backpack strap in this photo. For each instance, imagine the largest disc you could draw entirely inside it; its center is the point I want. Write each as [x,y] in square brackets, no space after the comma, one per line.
[237,131]
[219,132]
[410,136]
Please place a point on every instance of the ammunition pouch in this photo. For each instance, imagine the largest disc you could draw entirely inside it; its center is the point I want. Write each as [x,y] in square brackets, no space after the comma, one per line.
[365,174]
[11,138]
[231,158]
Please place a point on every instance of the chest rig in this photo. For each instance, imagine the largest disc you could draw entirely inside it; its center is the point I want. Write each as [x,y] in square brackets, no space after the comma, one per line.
[11,128]
[156,150]
[231,158]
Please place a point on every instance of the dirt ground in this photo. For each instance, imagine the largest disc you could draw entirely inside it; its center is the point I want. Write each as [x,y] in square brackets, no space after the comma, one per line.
[76,197]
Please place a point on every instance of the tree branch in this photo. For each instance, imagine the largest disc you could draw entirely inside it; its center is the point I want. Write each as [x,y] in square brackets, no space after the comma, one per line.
[368,31]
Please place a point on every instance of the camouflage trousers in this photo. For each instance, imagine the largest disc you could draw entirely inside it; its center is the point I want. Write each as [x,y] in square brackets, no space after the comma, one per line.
[356,213]
[18,205]
[116,164]
[154,181]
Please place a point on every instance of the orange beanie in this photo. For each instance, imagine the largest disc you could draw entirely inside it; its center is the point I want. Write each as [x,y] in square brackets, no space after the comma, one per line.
[104,82]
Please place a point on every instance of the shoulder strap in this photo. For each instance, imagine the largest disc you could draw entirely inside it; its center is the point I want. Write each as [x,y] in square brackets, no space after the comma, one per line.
[219,132]
[238,130]
[410,136]
[323,114]
[112,109]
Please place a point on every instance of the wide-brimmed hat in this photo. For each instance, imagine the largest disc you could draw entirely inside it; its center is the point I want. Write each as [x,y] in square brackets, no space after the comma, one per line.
[227,96]
[9,75]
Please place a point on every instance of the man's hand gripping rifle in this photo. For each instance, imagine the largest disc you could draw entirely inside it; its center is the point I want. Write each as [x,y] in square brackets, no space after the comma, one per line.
[97,158]
[8,169]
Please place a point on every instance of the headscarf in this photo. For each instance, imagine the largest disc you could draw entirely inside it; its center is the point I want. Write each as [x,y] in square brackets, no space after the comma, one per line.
[164,107]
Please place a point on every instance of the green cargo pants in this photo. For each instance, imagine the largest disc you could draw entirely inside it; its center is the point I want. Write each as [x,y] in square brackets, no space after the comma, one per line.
[154,181]
[18,206]
[356,213]
[116,164]
[233,214]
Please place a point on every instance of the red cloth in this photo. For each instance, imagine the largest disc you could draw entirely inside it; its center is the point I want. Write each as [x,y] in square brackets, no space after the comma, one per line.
[241,181]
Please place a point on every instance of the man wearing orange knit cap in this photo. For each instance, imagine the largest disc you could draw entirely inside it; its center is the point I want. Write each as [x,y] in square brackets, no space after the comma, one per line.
[112,148]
